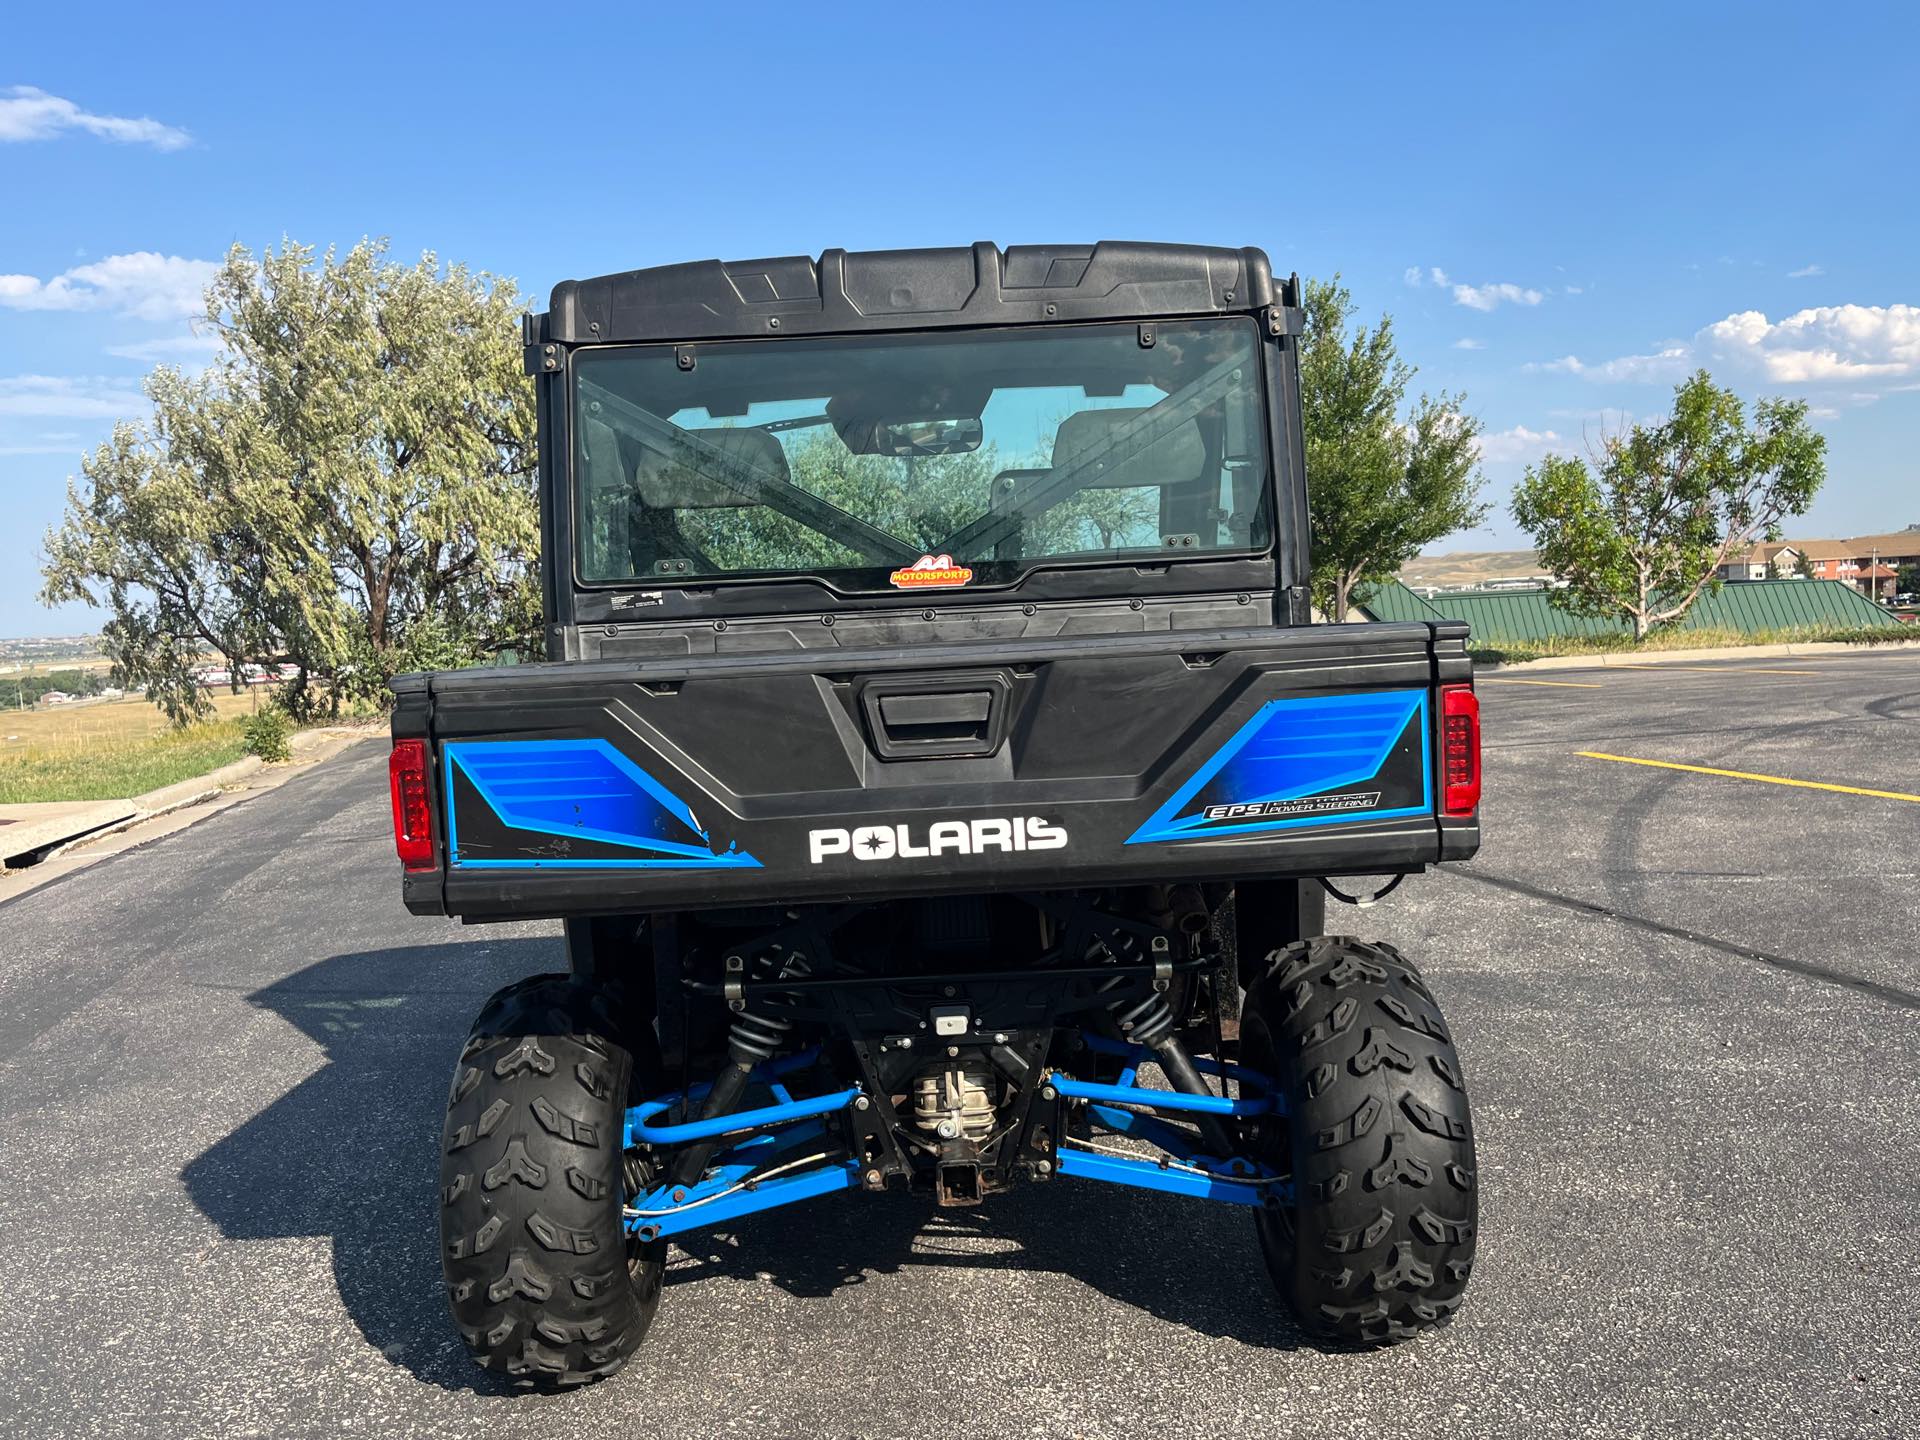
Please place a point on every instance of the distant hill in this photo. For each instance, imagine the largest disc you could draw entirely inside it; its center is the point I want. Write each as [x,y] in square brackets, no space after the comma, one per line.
[1468,567]
[27,651]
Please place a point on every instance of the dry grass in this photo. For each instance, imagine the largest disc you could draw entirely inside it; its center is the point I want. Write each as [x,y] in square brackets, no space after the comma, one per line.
[133,718]
[1559,645]
[111,749]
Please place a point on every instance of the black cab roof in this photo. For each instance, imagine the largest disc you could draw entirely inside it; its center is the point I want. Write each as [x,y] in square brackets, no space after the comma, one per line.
[863,290]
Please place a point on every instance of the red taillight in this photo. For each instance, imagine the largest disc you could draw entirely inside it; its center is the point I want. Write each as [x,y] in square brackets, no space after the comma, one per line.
[1459,750]
[412,815]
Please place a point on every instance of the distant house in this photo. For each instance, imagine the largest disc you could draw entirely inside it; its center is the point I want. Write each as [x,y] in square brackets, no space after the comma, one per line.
[1866,562]
[1852,559]
[1829,559]
[1877,581]
[52,698]
[1762,562]
[1901,548]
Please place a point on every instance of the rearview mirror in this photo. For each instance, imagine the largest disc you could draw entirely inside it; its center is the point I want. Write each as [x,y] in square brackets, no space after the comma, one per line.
[945,436]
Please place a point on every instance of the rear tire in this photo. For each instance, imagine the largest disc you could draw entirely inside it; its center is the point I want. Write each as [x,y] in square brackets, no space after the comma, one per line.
[543,1281]
[1379,1240]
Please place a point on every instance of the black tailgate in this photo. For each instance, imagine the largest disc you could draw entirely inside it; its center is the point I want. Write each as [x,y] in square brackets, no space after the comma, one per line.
[661,784]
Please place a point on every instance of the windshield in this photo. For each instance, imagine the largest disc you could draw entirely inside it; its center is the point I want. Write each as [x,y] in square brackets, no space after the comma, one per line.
[920,461]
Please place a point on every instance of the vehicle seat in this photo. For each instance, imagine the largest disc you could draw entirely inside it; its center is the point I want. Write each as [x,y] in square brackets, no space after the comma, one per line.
[1007,496]
[667,483]
[1010,488]
[1176,458]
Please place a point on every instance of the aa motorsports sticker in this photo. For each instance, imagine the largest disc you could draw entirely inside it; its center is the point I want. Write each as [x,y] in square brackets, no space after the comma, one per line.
[930,572]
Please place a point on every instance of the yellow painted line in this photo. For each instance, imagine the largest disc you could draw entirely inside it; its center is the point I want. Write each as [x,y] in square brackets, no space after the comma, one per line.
[1717,669]
[1557,684]
[1749,775]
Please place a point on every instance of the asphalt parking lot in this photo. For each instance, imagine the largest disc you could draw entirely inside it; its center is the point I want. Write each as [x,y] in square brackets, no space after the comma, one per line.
[1688,1005]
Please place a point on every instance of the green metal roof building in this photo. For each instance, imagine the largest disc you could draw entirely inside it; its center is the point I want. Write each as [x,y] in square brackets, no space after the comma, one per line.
[1527,617]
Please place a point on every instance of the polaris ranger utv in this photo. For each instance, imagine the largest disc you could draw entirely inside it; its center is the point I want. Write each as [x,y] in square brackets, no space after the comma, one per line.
[936,769]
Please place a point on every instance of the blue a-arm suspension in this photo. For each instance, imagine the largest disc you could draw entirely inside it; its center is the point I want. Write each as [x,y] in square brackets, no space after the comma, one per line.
[790,1151]
[1127,1108]
[758,1172]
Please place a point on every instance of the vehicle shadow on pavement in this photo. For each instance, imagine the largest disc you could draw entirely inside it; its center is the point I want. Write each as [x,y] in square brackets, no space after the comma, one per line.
[1193,1265]
[352,1154]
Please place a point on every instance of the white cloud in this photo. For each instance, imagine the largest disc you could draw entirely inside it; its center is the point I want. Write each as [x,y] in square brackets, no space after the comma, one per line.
[1666,364]
[170,347]
[39,449]
[144,284]
[1576,289]
[1519,445]
[30,114]
[1806,271]
[1439,276]
[1829,344]
[1467,342]
[1414,276]
[1488,297]
[67,397]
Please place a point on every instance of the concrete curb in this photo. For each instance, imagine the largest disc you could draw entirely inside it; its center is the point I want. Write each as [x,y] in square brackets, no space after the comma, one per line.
[1724,652]
[67,823]
[201,787]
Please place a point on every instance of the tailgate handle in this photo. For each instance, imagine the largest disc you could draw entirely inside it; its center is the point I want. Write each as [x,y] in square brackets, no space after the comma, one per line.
[919,719]
[936,714]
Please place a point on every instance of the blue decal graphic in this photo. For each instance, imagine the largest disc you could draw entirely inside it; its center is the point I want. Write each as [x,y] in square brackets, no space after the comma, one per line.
[1289,751]
[582,790]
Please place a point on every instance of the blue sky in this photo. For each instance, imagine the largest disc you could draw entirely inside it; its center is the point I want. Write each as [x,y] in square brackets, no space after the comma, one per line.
[1564,209]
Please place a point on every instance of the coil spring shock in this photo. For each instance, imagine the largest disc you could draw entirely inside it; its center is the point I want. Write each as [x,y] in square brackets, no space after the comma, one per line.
[1144,1022]
[752,1039]
[1151,1022]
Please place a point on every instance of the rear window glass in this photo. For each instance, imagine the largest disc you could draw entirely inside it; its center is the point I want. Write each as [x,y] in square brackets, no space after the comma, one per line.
[899,460]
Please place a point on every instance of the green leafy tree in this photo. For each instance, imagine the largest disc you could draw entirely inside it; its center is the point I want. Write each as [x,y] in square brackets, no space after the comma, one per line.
[349,487]
[922,500]
[1907,580]
[1383,479]
[22,691]
[1641,535]
[1803,565]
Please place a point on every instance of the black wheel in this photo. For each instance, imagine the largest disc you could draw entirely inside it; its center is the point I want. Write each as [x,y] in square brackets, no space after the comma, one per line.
[543,1281]
[1379,1239]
